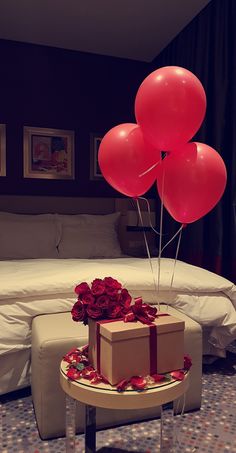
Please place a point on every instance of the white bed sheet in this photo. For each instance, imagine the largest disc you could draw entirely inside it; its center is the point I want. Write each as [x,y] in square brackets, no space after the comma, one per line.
[32,287]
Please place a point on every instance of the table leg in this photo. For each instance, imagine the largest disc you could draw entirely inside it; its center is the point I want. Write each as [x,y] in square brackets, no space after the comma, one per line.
[167,428]
[70,424]
[90,429]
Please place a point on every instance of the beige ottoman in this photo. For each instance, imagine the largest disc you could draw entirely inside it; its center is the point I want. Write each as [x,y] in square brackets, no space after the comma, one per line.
[55,334]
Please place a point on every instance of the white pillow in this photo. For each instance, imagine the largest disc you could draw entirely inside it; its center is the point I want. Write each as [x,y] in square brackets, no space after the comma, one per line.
[89,236]
[26,236]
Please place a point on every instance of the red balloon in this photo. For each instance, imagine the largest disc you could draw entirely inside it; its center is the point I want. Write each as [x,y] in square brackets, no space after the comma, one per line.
[191,181]
[170,106]
[124,156]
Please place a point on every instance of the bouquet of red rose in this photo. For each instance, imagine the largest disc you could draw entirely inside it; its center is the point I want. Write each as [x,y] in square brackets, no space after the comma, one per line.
[103,299]
[106,299]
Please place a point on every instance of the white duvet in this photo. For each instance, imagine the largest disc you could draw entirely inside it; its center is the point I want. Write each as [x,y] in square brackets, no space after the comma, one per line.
[32,287]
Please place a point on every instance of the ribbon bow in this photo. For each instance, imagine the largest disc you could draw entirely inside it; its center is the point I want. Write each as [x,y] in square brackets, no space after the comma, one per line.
[141,312]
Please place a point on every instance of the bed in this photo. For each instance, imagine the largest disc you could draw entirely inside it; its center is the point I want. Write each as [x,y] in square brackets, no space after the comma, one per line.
[49,244]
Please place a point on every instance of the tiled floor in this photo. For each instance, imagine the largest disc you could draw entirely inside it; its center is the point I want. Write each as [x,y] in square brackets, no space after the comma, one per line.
[210,430]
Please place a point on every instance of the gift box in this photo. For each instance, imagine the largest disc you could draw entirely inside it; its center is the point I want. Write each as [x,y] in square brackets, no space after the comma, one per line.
[120,350]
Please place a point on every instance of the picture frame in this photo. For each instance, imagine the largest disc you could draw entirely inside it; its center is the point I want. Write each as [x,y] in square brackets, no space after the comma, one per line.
[48,153]
[95,172]
[2,150]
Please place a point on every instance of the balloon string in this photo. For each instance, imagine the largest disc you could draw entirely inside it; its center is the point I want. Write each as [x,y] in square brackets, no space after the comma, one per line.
[149,214]
[176,255]
[177,232]
[149,169]
[147,247]
[160,245]
[160,238]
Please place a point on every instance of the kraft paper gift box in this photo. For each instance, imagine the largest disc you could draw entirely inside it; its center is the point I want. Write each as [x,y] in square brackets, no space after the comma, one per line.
[120,350]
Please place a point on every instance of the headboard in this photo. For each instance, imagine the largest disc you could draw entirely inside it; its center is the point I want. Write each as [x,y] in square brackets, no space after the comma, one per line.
[131,239]
[25,204]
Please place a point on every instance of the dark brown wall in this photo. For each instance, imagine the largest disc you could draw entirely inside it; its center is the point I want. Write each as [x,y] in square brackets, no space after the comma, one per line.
[49,87]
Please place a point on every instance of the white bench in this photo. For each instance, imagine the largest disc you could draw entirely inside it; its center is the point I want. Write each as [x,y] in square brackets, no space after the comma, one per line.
[55,334]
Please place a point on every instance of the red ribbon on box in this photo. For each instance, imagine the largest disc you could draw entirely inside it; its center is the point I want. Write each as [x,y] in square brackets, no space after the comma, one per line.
[153,348]
[152,343]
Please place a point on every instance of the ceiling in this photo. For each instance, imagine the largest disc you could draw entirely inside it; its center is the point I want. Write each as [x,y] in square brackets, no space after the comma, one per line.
[133,29]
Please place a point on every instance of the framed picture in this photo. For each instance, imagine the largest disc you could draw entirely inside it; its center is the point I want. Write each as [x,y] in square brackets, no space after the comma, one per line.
[48,153]
[95,172]
[2,150]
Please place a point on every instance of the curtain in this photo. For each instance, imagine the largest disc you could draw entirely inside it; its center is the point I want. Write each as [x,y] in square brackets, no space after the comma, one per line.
[207,47]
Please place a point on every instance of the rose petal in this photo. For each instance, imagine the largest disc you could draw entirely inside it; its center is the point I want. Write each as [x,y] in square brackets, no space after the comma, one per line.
[89,374]
[86,370]
[71,352]
[178,375]
[187,362]
[72,357]
[97,378]
[84,349]
[138,382]
[122,385]
[104,380]
[73,374]
[158,377]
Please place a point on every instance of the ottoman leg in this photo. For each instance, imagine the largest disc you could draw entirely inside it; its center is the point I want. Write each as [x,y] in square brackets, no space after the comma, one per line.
[90,429]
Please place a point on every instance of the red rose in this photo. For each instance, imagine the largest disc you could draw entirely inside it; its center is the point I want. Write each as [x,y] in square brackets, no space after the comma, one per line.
[105,298]
[114,311]
[82,288]
[87,298]
[113,292]
[112,283]
[102,301]
[97,287]
[78,312]
[97,280]
[115,299]
[125,298]
[93,311]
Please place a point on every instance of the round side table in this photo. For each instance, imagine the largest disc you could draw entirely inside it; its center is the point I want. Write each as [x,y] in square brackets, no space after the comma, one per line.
[103,395]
